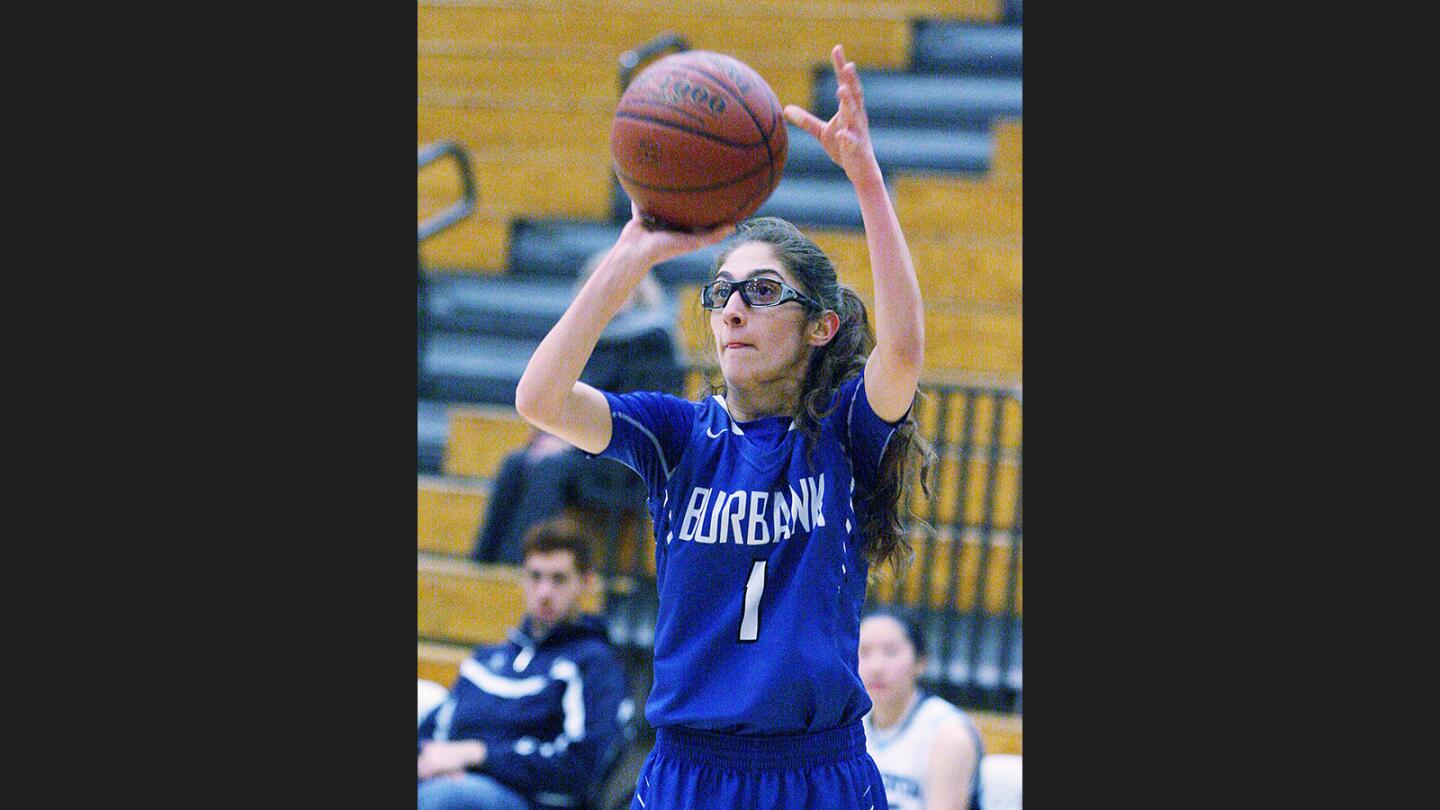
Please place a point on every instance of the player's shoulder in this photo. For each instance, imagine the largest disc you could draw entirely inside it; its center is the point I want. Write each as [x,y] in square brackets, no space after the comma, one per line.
[650,400]
[655,411]
[947,721]
[956,736]
[936,711]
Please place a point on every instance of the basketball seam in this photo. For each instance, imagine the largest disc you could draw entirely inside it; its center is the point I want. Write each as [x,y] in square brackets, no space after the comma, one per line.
[683,128]
[645,102]
[769,153]
[742,206]
[690,189]
[735,95]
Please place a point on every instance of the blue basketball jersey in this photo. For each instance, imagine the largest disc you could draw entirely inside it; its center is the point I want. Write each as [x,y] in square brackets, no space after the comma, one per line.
[759,560]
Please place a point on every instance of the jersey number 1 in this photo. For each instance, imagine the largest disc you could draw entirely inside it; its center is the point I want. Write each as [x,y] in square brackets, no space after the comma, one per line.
[754,587]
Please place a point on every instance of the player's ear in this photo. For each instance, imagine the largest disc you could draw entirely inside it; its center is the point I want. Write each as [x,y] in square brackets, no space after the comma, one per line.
[821,330]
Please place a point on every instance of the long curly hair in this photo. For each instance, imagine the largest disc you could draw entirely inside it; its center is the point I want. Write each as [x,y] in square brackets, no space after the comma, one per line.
[908,458]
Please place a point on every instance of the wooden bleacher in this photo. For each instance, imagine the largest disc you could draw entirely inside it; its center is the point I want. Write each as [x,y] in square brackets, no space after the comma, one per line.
[953,267]
[536,183]
[1006,166]
[480,242]
[440,662]
[463,602]
[534,72]
[974,340]
[976,470]
[580,126]
[968,566]
[935,203]
[1001,733]
[875,34]
[480,437]
[450,511]
[514,71]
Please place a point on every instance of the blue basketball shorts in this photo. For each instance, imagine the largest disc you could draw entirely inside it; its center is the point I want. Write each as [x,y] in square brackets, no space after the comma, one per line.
[696,770]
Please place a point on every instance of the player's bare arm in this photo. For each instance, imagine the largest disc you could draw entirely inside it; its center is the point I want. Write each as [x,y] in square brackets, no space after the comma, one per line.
[550,395]
[893,370]
[953,760]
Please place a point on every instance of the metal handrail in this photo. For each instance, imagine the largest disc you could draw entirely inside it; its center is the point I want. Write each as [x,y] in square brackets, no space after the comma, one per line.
[630,60]
[462,207]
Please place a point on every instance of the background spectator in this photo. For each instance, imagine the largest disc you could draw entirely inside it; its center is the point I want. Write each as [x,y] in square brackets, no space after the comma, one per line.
[539,713]
[928,751]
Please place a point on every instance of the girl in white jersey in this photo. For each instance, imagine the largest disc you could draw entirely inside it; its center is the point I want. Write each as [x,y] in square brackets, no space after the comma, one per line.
[770,502]
[928,751]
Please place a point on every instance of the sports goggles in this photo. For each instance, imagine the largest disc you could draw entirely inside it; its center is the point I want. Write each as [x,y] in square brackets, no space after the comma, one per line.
[755,292]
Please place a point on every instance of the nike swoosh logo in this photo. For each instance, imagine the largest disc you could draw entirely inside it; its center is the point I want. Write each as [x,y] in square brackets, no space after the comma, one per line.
[714,435]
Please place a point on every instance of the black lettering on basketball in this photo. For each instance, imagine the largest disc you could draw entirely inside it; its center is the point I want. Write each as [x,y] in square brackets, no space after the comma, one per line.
[737,78]
[682,92]
[648,153]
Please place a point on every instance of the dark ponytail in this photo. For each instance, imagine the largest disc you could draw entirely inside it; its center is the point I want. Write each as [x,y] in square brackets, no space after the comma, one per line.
[908,458]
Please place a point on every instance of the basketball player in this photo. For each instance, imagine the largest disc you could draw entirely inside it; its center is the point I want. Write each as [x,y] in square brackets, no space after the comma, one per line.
[928,751]
[770,502]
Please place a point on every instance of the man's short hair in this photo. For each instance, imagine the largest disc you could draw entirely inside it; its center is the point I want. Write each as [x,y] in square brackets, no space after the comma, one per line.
[558,534]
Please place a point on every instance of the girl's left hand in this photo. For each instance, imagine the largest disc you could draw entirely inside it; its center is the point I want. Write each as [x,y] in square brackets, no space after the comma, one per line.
[846,136]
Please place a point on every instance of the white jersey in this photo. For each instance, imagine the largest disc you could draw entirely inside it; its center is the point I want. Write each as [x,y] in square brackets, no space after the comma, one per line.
[902,752]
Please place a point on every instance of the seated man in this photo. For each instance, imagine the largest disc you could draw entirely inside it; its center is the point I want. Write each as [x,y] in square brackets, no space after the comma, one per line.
[530,722]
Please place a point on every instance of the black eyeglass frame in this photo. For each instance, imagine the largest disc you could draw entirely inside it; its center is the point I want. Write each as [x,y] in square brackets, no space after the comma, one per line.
[787,293]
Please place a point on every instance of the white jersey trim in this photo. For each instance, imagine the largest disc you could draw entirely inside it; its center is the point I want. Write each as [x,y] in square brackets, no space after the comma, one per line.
[734,426]
[499,685]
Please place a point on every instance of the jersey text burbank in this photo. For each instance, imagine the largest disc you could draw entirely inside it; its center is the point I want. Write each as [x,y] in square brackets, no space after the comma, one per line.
[740,517]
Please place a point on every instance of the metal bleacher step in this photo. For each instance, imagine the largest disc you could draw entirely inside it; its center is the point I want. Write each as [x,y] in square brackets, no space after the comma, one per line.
[449,512]
[921,149]
[463,367]
[944,46]
[938,100]
[432,431]
[484,365]
[559,247]
[498,306]
[985,637]
[524,307]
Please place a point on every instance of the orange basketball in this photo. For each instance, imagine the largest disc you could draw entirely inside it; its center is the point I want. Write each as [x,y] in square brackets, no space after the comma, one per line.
[698,140]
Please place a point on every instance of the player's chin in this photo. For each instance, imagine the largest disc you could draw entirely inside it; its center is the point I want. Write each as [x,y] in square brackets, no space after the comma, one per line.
[739,367]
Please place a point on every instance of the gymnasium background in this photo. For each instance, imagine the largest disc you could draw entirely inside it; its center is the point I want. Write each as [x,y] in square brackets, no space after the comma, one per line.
[515,191]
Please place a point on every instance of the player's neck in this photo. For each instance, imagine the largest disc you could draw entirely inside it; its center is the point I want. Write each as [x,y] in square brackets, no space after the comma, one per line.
[886,715]
[776,399]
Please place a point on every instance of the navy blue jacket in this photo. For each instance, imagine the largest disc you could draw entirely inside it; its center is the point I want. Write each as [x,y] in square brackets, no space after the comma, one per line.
[548,712]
